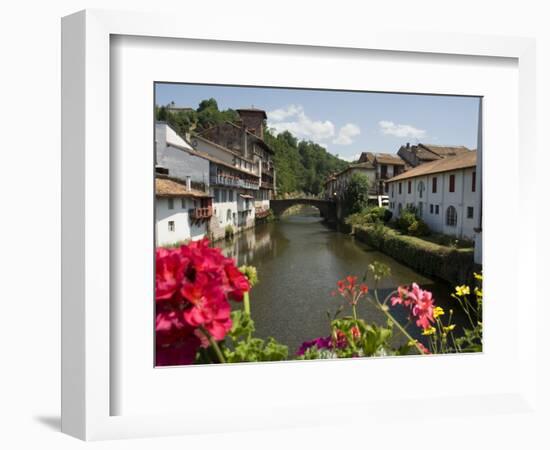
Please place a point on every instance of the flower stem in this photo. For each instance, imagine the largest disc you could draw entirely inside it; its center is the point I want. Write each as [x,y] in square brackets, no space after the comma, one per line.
[214,345]
[246,302]
[384,309]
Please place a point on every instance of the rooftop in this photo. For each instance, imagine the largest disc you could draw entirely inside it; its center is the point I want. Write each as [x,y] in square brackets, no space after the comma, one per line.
[381,158]
[461,161]
[431,152]
[166,187]
[252,110]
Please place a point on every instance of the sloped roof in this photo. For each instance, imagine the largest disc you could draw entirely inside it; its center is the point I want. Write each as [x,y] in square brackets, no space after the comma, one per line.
[446,150]
[382,158]
[165,187]
[461,161]
[389,158]
[253,110]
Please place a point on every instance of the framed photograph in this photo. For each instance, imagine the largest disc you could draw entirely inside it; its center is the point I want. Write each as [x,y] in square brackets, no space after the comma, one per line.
[249,221]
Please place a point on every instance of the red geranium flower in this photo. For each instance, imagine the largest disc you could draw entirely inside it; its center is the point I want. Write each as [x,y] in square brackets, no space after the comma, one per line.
[193,284]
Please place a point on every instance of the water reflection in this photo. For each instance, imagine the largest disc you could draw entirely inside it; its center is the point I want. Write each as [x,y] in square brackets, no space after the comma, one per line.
[299,261]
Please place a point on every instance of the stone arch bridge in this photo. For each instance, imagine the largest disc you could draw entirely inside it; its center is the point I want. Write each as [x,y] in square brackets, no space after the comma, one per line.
[327,208]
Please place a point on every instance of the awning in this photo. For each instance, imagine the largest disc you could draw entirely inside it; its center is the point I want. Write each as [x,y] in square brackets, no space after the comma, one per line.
[246,196]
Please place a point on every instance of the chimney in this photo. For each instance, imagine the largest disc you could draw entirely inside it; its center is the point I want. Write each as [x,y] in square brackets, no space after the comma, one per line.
[188,182]
[408,145]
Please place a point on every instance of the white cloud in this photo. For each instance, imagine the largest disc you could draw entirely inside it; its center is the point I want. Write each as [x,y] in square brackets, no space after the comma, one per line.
[400,130]
[346,134]
[282,113]
[302,126]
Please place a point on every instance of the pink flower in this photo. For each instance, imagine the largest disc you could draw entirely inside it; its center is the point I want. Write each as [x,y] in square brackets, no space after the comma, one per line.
[419,301]
[423,306]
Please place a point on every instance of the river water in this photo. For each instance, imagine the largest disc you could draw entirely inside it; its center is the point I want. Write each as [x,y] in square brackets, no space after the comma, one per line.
[299,260]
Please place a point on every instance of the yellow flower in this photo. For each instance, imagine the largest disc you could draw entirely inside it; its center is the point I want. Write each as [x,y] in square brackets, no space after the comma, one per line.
[412,343]
[462,290]
[428,331]
[449,328]
[438,311]
[478,276]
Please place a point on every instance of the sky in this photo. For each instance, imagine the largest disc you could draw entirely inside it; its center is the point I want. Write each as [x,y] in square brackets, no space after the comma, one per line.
[345,123]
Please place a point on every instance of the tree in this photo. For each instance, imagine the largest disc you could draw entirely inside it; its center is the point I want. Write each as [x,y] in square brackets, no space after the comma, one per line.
[356,194]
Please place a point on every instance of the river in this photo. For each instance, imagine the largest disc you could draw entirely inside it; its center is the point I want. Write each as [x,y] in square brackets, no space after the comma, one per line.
[299,260]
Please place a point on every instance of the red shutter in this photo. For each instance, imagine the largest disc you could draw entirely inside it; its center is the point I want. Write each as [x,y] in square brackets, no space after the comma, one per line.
[452,183]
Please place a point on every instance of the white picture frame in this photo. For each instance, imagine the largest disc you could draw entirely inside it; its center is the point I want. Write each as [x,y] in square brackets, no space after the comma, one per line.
[88,387]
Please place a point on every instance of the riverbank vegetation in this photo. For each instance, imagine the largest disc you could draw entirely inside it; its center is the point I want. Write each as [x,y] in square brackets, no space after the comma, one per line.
[196,285]
[452,264]
[302,166]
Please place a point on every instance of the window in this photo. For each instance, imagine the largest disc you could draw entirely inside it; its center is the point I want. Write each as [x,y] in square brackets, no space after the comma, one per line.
[420,188]
[171,225]
[420,209]
[230,196]
[409,187]
[228,216]
[224,195]
[470,212]
[392,189]
[183,203]
[170,203]
[386,187]
[434,185]
[451,183]
[437,209]
[431,209]
[399,207]
[451,216]
[474,181]
[217,195]
[400,187]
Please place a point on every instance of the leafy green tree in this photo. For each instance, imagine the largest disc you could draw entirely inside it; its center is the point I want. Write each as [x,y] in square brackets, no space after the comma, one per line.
[356,194]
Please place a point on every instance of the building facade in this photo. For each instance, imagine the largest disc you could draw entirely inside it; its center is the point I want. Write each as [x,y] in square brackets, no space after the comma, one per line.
[335,186]
[386,165]
[224,175]
[444,193]
[245,139]
[182,213]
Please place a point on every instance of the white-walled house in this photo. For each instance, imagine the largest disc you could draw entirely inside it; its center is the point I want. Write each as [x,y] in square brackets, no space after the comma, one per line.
[337,183]
[182,213]
[444,193]
[230,179]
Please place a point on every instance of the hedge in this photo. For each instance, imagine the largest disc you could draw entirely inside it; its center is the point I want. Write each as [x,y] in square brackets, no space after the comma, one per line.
[453,265]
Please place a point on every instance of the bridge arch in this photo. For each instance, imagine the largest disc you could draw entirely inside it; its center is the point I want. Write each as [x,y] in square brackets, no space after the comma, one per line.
[327,208]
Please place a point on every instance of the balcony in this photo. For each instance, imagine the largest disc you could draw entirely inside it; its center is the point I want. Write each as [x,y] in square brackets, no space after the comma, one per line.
[221,180]
[266,168]
[201,213]
[266,185]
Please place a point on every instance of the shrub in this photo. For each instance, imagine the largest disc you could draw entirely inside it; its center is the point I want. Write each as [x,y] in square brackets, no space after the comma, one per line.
[409,223]
[370,215]
[418,228]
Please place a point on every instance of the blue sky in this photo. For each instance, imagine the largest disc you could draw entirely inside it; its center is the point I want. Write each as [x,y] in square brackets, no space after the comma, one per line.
[346,123]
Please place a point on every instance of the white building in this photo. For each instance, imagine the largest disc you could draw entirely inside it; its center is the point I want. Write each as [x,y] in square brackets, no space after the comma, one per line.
[444,193]
[182,213]
[229,178]
[336,184]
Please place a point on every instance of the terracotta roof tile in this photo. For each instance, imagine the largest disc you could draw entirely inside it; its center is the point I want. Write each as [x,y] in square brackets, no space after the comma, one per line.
[461,161]
[165,187]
